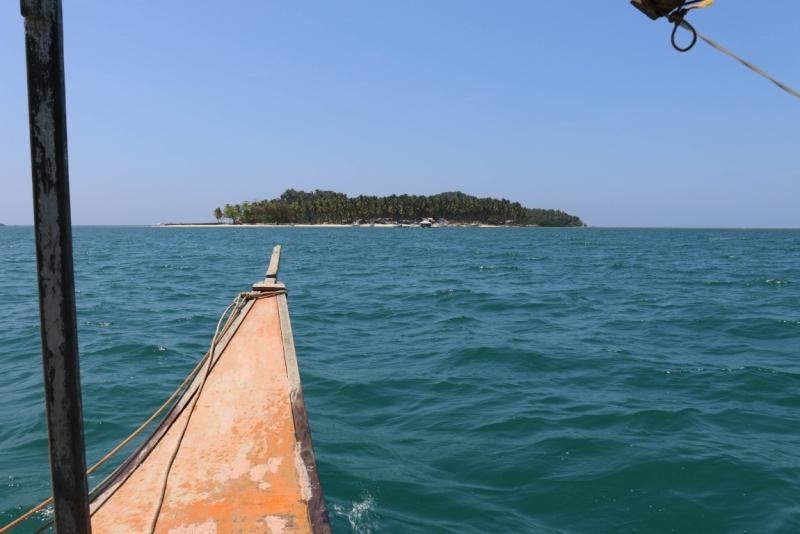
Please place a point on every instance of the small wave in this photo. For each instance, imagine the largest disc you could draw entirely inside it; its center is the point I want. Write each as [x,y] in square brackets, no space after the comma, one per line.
[361,515]
[452,292]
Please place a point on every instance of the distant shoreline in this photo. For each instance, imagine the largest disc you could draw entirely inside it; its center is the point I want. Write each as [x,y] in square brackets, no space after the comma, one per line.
[265,225]
[453,208]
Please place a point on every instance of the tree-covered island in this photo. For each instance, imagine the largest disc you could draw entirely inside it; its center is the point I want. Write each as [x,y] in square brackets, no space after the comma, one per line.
[319,207]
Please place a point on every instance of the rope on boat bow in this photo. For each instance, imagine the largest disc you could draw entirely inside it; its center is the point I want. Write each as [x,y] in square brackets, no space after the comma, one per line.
[235,307]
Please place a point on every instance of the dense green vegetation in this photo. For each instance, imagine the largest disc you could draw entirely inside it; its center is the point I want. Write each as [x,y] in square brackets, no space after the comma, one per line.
[328,206]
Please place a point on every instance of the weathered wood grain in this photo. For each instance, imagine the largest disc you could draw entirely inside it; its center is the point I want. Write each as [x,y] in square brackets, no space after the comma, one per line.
[317,510]
[267,286]
[274,263]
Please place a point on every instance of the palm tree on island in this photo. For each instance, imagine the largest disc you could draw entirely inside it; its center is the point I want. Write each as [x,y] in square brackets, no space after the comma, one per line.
[218,214]
[317,207]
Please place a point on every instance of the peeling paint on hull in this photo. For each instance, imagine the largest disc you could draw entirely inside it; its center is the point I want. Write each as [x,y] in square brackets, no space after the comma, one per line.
[239,467]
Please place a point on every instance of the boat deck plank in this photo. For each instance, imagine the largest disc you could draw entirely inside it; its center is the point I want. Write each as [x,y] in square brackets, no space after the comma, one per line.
[239,467]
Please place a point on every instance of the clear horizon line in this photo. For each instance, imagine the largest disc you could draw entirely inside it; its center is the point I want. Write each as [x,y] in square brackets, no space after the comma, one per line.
[539,228]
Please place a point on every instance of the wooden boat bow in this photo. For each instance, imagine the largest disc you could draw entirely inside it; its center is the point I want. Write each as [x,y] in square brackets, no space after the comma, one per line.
[246,462]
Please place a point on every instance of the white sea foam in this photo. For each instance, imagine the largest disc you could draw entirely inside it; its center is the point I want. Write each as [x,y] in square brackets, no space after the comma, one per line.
[362,516]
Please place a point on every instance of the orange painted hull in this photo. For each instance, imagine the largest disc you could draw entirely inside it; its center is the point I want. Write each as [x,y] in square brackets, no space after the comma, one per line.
[245,463]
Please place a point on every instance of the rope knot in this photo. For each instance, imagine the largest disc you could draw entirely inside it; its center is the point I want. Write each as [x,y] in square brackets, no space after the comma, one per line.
[676,17]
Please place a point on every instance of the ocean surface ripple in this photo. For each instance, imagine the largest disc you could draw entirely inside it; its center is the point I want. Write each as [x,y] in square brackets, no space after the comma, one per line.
[457,380]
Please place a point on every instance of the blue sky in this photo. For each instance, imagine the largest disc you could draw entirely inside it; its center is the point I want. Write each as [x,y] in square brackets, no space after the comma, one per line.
[175,108]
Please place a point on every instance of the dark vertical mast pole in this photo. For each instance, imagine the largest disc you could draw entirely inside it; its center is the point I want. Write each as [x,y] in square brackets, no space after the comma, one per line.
[44,49]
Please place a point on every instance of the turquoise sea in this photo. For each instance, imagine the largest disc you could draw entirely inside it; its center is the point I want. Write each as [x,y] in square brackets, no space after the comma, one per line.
[458,380]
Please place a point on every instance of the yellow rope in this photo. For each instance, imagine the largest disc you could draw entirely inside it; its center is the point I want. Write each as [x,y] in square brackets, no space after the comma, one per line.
[241,297]
[236,308]
[174,455]
[110,454]
[701,5]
